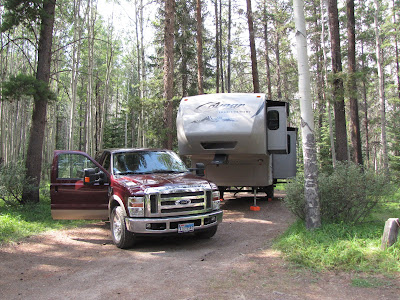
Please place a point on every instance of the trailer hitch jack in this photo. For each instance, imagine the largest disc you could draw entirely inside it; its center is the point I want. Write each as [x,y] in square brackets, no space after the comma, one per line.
[255,207]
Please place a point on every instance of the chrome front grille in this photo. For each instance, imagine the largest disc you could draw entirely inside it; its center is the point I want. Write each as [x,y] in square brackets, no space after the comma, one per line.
[177,202]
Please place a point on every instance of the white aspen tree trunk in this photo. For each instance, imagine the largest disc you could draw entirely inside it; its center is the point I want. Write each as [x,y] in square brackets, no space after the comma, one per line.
[103,105]
[88,97]
[313,217]
[76,53]
[138,70]
[126,130]
[229,46]
[143,72]
[8,136]
[15,131]
[381,88]
[217,45]
[221,60]
[73,76]
[89,104]
[331,137]
[199,44]
[94,99]
[168,70]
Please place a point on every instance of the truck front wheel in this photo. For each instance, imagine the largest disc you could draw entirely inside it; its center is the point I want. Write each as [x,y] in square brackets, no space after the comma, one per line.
[207,233]
[122,238]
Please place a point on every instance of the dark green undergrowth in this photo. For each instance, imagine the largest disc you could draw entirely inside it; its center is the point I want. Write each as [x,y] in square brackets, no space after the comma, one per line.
[17,222]
[345,246]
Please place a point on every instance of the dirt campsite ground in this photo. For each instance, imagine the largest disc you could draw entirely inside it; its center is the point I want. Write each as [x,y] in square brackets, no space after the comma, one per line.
[237,263]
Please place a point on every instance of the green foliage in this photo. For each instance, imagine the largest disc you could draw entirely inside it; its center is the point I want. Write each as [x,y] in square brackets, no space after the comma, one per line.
[12,183]
[26,85]
[368,282]
[17,222]
[340,247]
[20,12]
[348,194]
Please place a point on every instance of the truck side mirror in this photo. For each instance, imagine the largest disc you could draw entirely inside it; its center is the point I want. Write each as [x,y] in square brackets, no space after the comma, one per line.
[200,169]
[91,176]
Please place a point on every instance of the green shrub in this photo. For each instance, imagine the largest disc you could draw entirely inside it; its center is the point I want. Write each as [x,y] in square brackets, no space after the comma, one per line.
[12,183]
[348,194]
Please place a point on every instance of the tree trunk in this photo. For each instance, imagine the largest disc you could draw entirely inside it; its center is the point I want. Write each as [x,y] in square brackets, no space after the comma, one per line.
[90,101]
[313,216]
[352,86]
[254,69]
[381,89]
[228,77]
[397,105]
[35,145]
[319,74]
[278,62]
[221,61]
[365,103]
[266,43]
[338,87]
[217,46]
[331,137]
[199,39]
[397,50]
[169,71]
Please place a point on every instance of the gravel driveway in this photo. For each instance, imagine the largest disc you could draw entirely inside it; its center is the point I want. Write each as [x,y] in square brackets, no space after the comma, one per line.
[237,263]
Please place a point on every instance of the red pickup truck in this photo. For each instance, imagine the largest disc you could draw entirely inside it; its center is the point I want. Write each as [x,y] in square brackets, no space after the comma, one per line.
[141,191]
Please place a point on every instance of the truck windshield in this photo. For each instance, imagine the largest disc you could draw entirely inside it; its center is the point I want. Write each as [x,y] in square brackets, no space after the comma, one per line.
[146,162]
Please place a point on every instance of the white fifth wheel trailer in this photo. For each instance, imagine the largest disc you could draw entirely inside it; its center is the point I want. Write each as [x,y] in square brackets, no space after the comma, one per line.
[242,140]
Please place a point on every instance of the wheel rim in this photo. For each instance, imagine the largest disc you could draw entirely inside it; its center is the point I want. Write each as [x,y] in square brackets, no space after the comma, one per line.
[117,228]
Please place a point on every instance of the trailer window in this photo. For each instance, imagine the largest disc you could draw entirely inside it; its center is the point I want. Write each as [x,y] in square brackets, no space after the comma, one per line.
[273,120]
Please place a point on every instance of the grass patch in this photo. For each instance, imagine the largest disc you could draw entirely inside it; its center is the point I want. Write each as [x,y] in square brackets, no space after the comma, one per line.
[280,186]
[369,282]
[344,246]
[17,222]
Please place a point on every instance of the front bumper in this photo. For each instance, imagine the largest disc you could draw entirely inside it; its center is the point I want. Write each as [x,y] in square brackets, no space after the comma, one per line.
[170,224]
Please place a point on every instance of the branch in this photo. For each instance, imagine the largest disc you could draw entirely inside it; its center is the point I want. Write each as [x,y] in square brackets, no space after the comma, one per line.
[78,40]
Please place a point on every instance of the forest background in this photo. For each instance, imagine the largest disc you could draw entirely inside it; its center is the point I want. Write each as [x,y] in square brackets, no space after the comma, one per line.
[108,86]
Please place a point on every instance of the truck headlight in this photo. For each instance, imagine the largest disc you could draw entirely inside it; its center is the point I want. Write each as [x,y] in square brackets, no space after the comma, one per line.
[215,200]
[136,206]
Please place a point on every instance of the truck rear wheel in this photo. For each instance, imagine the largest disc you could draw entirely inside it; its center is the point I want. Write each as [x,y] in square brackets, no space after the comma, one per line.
[122,238]
[207,233]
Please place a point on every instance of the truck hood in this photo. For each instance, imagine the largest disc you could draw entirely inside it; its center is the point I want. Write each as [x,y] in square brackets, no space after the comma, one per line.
[165,180]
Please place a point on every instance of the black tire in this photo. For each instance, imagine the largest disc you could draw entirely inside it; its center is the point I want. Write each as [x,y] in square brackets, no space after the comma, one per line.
[121,237]
[207,233]
[221,191]
[269,190]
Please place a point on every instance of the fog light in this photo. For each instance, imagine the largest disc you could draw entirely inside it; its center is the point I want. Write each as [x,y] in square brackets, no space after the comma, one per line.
[148,226]
[213,219]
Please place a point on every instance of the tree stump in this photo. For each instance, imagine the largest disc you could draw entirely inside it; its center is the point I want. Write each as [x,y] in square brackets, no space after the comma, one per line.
[390,233]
